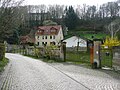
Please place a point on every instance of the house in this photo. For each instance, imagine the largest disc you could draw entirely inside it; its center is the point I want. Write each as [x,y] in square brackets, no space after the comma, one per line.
[24,40]
[73,42]
[47,35]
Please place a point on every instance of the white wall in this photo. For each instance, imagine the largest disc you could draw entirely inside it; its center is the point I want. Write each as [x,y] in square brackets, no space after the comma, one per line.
[72,42]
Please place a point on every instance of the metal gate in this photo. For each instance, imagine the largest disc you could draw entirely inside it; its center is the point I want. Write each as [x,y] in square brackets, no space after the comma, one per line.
[106,57]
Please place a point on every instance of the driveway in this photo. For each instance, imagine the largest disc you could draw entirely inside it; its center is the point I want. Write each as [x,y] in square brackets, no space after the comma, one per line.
[24,73]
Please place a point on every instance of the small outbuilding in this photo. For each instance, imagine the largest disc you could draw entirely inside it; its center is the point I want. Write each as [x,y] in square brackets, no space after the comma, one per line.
[74,42]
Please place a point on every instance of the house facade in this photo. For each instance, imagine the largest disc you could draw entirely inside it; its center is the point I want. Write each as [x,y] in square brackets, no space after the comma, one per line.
[47,35]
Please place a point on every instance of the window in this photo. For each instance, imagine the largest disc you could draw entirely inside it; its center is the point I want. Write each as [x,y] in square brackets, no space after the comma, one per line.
[45,37]
[52,43]
[38,43]
[53,37]
[42,37]
[38,37]
[50,37]
[40,31]
[43,43]
[53,30]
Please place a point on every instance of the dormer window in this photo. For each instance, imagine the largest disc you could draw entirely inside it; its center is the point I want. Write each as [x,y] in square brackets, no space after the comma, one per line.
[40,30]
[53,30]
[47,30]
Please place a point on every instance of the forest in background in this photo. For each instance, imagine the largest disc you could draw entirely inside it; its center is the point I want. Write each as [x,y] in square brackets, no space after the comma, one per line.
[17,20]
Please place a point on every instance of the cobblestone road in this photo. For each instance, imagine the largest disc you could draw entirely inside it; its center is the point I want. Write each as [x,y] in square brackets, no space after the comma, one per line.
[24,73]
[93,79]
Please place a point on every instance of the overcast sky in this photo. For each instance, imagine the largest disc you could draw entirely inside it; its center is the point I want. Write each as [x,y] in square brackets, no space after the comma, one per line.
[66,2]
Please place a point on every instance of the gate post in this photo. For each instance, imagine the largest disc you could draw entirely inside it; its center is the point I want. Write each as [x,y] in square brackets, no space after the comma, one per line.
[91,53]
[97,44]
[63,51]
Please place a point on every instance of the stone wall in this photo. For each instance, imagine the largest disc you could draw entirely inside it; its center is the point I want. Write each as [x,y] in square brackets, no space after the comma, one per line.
[116,57]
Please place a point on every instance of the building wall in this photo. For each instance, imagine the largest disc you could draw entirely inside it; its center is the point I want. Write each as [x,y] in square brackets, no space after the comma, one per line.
[73,42]
[59,37]
[47,39]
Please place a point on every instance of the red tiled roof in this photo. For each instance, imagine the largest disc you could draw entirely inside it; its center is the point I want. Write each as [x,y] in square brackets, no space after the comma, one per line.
[26,39]
[48,30]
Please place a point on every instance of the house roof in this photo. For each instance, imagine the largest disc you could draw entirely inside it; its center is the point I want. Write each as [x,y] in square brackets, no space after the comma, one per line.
[73,41]
[48,30]
[26,39]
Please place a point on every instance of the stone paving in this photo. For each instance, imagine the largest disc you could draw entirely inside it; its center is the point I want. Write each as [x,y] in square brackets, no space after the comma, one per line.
[91,78]
[24,73]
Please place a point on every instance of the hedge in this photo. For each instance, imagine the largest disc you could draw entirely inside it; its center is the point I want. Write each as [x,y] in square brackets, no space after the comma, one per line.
[2,51]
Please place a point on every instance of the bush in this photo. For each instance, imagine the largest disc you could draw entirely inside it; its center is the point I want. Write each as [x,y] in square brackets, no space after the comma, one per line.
[2,51]
[50,51]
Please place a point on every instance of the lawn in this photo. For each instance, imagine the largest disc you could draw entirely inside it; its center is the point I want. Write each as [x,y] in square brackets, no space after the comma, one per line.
[94,36]
[78,57]
[84,58]
[86,35]
[106,60]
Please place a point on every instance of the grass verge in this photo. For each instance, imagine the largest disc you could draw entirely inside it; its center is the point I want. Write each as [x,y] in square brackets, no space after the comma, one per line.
[3,63]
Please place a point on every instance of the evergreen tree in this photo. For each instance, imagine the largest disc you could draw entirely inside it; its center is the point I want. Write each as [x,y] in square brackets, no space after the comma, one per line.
[71,19]
[14,39]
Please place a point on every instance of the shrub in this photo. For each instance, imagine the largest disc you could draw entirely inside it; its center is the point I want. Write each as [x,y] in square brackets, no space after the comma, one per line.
[109,41]
[2,51]
[50,51]
[38,52]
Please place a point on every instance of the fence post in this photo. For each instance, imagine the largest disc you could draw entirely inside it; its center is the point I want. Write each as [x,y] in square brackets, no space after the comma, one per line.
[2,51]
[63,51]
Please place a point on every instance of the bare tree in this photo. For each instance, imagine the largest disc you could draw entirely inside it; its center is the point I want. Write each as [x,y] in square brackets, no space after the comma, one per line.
[114,27]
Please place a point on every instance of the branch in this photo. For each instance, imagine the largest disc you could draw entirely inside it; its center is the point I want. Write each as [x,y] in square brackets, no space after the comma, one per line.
[117,30]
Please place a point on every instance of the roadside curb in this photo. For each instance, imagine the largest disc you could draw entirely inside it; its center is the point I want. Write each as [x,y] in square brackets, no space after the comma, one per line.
[4,74]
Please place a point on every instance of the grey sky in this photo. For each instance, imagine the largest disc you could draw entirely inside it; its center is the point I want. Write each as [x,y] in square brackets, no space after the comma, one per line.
[66,2]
